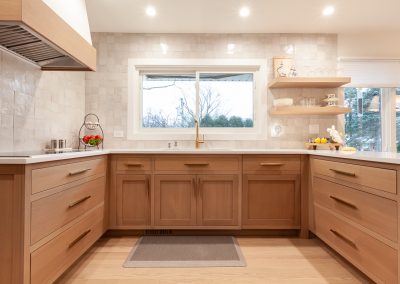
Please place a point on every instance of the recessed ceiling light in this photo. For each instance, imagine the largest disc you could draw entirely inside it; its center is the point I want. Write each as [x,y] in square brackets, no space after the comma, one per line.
[244,12]
[328,11]
[151,11]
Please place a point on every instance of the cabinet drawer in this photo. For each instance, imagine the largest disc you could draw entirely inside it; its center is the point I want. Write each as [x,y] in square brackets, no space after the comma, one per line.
[134,164]
[53,212]
[377,178]
[376,259]
[268,163]
[364,208]
[197,163]
[49,177]
[52,259]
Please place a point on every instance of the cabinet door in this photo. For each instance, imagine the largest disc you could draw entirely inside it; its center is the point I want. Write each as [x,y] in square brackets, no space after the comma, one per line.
[271,201]
[133,200]
[217,200]
[174,200]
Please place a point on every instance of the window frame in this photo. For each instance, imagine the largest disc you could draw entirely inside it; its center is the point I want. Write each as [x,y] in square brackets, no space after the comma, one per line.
[136,66]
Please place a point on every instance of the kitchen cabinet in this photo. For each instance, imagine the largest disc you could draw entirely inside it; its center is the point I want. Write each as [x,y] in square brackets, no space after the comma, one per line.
[271,201]
[354,209]
[133,200]
[175,200]
[217,200]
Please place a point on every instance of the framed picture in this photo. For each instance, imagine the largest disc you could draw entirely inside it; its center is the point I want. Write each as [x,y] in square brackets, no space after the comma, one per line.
[282,65]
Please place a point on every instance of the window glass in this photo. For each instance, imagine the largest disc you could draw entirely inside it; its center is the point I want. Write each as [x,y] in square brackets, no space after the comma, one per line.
[363,124]
[226,100]
[168,100]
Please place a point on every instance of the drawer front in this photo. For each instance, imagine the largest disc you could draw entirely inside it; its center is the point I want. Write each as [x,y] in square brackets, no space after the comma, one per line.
[47,178]
[53,212]
[268,163]
[364,208]
[376,259]
[377,178]
[197,163]
[134,164]
[52,259]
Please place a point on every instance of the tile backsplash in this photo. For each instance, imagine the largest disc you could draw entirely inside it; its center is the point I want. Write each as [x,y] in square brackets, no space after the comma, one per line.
[37,106]
[107,89]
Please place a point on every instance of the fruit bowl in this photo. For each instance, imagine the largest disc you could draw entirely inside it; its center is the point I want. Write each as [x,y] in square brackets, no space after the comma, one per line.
[92,140]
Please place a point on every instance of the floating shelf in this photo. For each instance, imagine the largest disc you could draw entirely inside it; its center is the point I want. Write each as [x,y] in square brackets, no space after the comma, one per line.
[312,110]
[309,82]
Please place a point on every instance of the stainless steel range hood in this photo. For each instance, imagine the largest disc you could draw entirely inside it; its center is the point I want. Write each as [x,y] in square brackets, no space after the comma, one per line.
[35,33]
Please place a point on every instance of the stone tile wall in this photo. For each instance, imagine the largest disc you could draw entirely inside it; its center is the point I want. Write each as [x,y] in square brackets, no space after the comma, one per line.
[107,89]
[37,106]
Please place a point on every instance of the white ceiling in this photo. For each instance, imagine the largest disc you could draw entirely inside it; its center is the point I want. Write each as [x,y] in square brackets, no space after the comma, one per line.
[221,16]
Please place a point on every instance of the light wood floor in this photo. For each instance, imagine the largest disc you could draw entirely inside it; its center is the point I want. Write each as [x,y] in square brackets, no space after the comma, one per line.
[269,260]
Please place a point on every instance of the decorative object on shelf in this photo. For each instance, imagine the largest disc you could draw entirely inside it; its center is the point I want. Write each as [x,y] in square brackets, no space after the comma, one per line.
[292,72]
[331,100]
[336,137]
[91,123]
[282,66]
[329,145]
[283,102]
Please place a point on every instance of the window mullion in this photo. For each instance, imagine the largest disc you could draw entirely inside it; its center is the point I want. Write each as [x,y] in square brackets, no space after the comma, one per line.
[388,117]
[197,115]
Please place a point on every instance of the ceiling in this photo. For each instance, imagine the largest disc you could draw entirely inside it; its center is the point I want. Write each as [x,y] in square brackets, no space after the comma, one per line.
[222,16]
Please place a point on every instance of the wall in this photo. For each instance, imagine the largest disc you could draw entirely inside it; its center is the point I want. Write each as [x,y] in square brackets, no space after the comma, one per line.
[74,13]
[107,89]
[37,106]
[369,45]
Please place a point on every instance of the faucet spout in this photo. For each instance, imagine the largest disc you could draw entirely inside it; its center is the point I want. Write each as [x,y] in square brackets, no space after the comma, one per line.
[198,139]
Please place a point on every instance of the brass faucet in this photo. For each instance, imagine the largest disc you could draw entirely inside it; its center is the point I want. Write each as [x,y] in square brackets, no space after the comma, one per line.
[198,139]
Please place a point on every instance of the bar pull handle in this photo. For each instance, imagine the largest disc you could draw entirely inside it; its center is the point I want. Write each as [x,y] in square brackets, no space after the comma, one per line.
[344,202]
[344,238]
[196,164]
[79,172]
[350,174]
[133,164]
[73,204]
[270,164]
[148,188]
[80,237]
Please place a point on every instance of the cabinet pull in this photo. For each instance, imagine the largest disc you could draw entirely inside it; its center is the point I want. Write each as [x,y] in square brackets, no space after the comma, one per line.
[73,204]
[78,172]
[344,238]
[80,237]
[133,164]
[271,164]
[148,189]
[198,187]
[344,202]
[350,174]
[194,187]
[196,164]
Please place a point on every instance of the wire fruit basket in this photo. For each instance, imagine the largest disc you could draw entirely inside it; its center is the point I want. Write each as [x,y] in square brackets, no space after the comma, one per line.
[91,124]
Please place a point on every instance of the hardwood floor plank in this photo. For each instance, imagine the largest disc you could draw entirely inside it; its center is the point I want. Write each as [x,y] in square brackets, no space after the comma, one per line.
[269,260]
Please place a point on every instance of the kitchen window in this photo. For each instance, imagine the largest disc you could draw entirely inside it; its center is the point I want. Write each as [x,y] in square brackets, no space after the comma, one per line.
[167,96]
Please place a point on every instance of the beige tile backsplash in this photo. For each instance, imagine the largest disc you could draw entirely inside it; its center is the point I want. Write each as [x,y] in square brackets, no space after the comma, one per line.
[37,106]
[107,92]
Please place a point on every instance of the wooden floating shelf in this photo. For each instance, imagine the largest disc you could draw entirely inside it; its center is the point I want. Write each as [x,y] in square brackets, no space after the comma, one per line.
[311,110]
[309,82]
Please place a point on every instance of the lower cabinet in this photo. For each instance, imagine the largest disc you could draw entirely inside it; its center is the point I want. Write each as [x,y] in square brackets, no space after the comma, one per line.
[196,200]
[271,201]
[133,200]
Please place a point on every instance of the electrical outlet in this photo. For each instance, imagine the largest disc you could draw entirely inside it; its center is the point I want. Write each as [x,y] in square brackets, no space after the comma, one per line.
[118,133]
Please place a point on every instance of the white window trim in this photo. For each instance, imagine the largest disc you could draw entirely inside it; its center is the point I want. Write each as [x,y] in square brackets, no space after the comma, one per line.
[136,65]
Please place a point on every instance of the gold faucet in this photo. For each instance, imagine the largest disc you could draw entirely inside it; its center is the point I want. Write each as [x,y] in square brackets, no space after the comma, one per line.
[198,139]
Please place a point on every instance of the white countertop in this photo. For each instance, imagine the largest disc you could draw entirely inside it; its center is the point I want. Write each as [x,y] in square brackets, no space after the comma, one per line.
[383,157]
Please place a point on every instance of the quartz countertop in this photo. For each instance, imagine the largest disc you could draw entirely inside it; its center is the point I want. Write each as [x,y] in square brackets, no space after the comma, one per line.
[382,157]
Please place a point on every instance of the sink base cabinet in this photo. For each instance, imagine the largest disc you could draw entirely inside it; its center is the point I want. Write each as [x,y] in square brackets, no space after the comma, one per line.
[271,202]
[175,200]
